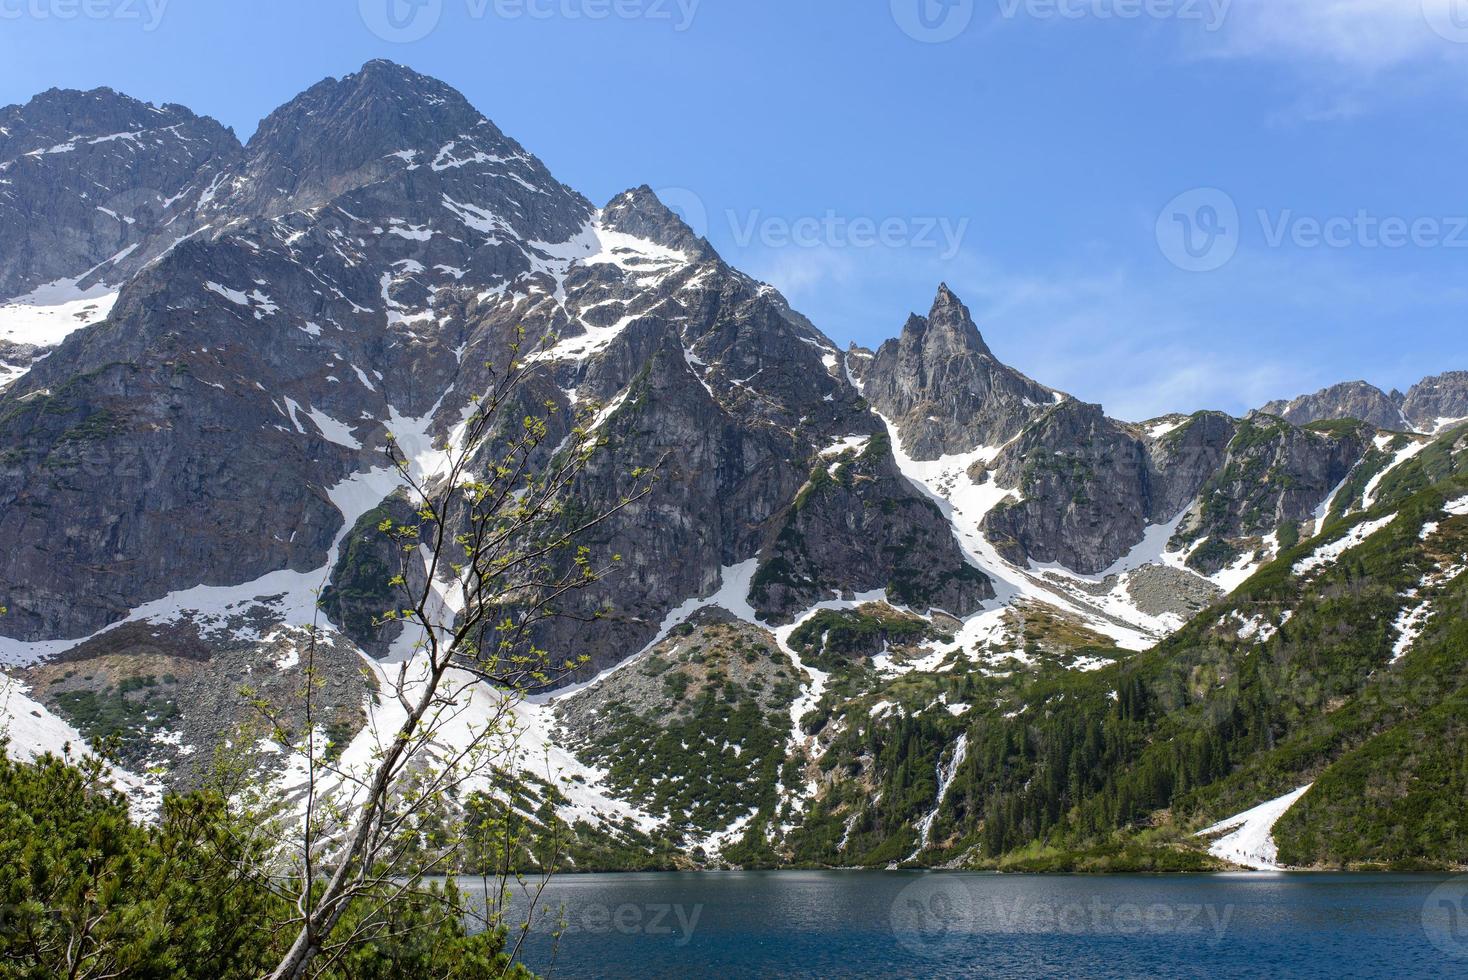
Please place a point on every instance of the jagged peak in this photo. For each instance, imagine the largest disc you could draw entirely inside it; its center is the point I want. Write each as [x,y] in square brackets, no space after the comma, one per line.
[386,122]
[948,325]
[640,212]
[1447,377]
[379,91]
[72,96]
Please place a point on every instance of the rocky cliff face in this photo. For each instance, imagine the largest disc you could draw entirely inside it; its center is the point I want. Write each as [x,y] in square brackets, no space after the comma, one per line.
[943,388]
[1088,487]
[1435,404]
[1352,400]
[1430,406]
[1075,489]
[856,527]
[92,184]
[1274,475]
[357,271]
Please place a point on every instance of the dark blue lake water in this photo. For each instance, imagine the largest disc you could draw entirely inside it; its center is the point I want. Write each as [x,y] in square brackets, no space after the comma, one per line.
[872,924]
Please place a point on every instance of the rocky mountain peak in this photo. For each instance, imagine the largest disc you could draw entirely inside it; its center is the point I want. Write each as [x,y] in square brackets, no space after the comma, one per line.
[58,116]
[90,177]
[949,324]
[398,100]
[1432,404]
[944,388]
[1438,402]
[1349,400]
[641,213]
[387,123]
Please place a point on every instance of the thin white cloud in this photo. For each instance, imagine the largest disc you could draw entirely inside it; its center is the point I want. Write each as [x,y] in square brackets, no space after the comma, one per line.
[1355,35]
[801,273]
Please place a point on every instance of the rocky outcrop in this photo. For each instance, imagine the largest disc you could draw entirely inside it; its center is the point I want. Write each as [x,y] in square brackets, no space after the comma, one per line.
[1351,400]
[1084,486]
[1274,474]
[1428,406]
[943,388]
[96,183]
[858,527]
[171,694]
[696,731]
[1087,487]
[1437,402]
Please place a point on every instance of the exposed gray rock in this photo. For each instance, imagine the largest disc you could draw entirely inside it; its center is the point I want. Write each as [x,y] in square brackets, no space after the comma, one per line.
[943,388]
[1436,401]
[1351,400]
[1088,487]
[183,687]
[1183,460]
[857,527]
[1274,474]
[1160,590]
[1084,485]
[97,182]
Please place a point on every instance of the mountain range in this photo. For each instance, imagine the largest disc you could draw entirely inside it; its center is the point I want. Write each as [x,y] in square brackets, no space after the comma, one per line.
[902,605]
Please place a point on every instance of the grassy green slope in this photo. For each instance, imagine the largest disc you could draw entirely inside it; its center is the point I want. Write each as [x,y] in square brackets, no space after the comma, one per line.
[1117,768]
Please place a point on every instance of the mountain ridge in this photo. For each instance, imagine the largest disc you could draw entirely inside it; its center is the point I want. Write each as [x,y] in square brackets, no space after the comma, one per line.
[921,527]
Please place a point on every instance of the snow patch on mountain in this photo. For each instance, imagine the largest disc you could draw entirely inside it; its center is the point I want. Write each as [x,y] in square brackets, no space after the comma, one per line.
[1329,553]
[1251,843]
[33,731]
[48,315]
[965,504]
[1405,454]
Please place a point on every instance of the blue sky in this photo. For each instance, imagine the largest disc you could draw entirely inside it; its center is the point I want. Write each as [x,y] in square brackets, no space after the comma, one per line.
[1065,165]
